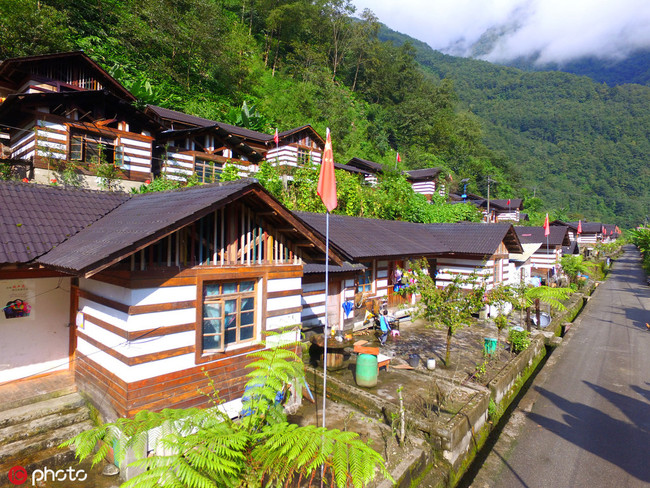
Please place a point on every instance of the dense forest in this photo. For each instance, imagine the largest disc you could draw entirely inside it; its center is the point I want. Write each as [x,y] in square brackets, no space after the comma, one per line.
[578,145]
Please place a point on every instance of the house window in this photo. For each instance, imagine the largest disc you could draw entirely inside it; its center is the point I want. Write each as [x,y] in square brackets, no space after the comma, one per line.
[91,149]
[207,171]
[364,282]
[304,156]
[228,314]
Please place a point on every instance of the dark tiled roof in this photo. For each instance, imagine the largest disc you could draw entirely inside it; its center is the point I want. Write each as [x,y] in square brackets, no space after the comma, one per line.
[35,218]
[422,174]
[361,238]
[142,219]
[587,227]
[10,67]
[502,204]
[559,235]
[368,166]
[573,248]
[476,238]
[166,113]
[350,169]
[314,268]
[252,135]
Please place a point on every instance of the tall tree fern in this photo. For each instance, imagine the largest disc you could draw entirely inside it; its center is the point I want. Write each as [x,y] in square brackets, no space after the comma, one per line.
[201,448]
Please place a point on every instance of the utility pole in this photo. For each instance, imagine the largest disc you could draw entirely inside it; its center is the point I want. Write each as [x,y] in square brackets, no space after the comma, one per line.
[489,180]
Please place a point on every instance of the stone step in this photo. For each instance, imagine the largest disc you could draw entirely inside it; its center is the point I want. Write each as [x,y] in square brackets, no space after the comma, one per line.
[26,413]
[26,451]
[25,430]
[35,397]
[51,458]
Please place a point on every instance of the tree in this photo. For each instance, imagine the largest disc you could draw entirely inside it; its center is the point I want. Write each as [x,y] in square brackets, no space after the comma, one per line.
[204,447]
[450,307]
[573,265]
[527,295]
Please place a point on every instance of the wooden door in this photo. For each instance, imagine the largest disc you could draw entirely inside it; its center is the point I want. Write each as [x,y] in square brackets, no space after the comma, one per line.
[334,310]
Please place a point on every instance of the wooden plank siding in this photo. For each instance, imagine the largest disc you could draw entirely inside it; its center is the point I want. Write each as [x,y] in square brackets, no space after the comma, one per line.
[142,324]
[47,141]
[492,269]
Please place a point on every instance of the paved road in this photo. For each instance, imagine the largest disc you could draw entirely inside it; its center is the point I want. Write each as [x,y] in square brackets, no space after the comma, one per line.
[585,422]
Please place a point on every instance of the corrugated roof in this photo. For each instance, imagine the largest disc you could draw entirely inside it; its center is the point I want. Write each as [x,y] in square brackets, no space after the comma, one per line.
[35,218]
[140,220]
[559,235]
[362,238]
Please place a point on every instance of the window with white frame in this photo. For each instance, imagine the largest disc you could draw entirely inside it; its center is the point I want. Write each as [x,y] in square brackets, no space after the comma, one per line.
[229,310]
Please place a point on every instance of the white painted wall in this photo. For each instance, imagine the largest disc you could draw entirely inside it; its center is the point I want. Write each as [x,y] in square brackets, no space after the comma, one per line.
[39,343]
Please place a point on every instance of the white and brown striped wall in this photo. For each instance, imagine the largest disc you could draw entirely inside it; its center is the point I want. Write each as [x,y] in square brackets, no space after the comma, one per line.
[138,346]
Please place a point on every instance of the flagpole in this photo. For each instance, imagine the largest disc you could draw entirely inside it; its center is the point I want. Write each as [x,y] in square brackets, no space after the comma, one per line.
[325,332]
[326,189]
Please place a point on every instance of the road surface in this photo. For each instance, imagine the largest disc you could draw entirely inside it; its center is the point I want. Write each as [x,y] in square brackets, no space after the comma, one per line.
[585,422]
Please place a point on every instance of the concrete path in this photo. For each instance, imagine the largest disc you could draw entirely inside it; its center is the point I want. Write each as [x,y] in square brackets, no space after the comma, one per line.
[585,422]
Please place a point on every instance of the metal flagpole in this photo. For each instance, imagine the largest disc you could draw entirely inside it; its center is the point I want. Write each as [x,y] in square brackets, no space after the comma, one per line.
[325,332]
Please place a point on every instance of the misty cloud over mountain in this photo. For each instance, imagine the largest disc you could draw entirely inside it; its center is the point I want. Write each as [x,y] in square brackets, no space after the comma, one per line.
[543,31]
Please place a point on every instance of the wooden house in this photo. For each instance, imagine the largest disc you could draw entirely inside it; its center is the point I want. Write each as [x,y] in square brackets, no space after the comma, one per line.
[546,260]
[193,144]
[475,248]
[161,288]
[375,250]
[424,181]
[521,264]
[64,117]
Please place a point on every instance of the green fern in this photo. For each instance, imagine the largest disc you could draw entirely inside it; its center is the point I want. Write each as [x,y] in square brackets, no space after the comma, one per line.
[204,448]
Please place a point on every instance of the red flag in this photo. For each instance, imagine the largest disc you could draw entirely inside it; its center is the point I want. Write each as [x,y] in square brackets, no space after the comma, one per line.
[603,230]
[327,181]
[547,226]
[579,227]
[508,202]
[399,160]
[276,138]
[618,231]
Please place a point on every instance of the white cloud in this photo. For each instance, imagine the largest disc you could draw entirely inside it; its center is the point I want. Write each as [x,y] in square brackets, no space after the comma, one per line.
[556,30]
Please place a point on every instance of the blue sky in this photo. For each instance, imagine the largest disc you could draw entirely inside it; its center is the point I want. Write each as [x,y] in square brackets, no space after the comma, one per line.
[555,30]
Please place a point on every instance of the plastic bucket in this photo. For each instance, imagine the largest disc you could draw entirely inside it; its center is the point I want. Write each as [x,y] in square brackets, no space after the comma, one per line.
[414,360]
[431,364]
[489,345]
[366,372]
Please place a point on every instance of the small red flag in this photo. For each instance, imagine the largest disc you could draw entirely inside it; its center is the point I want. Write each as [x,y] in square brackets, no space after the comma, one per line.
[326,180]
[547,226]
[579,227]
[399,160]
[618,231]
[276,138]
[508,202]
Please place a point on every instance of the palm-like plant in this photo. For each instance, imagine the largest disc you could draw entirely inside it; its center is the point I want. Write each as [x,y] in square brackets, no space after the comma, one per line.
[206,448]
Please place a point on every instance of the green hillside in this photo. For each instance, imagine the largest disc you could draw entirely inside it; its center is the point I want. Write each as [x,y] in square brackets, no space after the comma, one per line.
[580,145]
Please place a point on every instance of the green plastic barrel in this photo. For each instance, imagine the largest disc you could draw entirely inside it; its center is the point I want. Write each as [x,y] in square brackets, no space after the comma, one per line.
[367,370]
[490,345]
